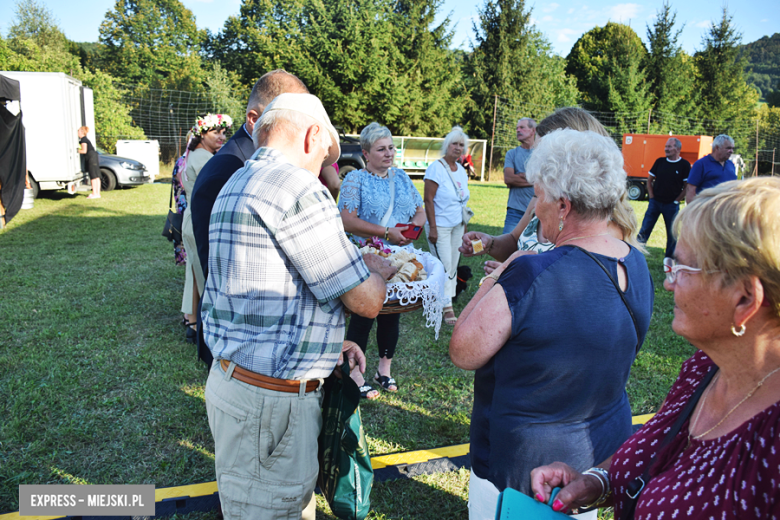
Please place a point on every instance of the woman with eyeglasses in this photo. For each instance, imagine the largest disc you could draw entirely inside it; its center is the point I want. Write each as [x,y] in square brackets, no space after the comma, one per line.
[713,449]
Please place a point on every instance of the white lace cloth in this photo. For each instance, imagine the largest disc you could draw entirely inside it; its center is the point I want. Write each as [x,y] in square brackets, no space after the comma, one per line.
[431,290]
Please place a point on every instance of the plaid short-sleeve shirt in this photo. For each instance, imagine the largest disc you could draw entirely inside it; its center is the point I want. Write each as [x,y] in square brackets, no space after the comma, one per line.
[278,261]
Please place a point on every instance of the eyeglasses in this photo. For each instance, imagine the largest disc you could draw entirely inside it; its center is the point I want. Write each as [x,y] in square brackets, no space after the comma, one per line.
[672,268]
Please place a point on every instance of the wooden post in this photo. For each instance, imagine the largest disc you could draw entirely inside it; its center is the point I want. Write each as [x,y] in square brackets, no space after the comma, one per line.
[649,113]
[773,161]
[493,136]
[755,167]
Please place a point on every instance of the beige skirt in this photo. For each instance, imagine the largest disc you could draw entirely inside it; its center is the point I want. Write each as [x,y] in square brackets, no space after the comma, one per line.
[194,271]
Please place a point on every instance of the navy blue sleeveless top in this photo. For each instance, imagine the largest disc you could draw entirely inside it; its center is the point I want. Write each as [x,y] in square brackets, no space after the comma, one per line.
[556,390]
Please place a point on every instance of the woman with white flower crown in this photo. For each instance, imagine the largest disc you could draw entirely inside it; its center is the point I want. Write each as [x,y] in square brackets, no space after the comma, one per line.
[207,137]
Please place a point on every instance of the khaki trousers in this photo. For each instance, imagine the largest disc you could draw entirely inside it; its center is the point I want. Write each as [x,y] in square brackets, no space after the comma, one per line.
[265,447]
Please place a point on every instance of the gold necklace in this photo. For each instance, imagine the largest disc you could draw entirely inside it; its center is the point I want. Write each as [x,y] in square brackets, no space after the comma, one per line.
[577,238]
[704,400]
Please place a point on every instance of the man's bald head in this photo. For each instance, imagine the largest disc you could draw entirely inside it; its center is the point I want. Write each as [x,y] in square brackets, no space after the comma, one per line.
[270,85]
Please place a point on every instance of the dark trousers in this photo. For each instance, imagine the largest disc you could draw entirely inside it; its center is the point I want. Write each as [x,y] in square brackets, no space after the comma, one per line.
[654,210]
[386,332]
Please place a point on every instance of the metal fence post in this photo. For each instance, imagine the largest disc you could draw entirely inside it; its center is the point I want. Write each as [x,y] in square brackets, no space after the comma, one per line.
[493,135]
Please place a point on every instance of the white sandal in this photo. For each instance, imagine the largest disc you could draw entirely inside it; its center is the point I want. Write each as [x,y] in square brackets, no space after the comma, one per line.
[450,321]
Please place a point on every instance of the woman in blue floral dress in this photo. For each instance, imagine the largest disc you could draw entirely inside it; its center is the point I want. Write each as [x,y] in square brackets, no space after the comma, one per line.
[372,201]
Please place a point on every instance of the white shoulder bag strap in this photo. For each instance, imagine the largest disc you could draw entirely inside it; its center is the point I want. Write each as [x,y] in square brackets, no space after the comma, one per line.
[386,218]
[452,178]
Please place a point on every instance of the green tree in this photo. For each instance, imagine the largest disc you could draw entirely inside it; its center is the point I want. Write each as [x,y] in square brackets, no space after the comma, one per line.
[265,35]
[152,42]
[762,68]
[607,64]
[112,116]
[38,45]
[34,21]
[367,60]
[88,53]
[428,72]
[627,88]
[547,83]
[722,91]
[347,60]
[773,97]
[669,70]
[511,59]
[628,98]
[226,92]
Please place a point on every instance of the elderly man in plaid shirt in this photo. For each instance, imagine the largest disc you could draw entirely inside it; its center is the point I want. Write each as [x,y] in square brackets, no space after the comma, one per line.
[281,271]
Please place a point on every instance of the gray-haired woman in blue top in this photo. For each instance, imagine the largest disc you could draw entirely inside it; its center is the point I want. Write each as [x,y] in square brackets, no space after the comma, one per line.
[550,336]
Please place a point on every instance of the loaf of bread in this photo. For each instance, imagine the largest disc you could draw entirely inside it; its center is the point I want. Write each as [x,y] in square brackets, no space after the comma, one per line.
[409,268]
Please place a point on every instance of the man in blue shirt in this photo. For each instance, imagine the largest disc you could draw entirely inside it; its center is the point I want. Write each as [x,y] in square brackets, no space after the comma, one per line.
[520,190]
[220,168]
[712,169]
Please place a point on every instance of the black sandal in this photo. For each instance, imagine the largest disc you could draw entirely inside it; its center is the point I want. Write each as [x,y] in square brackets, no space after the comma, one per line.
[386,382]
[365,390]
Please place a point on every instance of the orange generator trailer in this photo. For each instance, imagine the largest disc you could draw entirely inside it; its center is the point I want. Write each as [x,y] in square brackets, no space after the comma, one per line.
[641,150]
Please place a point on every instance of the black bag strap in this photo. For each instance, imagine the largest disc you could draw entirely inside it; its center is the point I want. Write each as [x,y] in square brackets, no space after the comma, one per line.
[635,487]
[620,292]
[170,199]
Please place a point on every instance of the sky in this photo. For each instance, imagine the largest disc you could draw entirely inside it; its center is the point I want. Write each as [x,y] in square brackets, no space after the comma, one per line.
[561,21]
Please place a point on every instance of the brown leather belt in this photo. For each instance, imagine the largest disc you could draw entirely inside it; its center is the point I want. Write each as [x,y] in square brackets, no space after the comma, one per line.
[269,383]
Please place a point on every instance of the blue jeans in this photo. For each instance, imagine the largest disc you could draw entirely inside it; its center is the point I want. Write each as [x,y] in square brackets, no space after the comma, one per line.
[654,210]
[513,216]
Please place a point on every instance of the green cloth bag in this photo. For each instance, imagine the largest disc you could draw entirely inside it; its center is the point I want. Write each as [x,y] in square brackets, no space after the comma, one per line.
[346,475]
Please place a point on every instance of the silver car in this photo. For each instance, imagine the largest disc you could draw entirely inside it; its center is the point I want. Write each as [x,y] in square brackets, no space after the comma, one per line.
[120,171]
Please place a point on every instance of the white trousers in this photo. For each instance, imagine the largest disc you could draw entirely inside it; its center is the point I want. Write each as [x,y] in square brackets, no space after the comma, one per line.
[446,250]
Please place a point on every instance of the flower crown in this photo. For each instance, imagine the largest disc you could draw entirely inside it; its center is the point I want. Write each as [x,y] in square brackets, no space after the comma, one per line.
[211,121]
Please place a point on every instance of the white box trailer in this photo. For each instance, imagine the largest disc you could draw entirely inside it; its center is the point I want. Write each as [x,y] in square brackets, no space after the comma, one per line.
[54,106]
[146,152]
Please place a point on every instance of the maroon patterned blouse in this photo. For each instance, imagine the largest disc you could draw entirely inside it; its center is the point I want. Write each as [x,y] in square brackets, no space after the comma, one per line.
[733,476]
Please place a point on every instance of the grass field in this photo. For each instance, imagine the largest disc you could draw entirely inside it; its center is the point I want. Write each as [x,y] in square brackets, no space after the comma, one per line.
[98,386]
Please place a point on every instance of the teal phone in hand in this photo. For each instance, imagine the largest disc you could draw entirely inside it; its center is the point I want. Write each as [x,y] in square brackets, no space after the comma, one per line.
[513,505]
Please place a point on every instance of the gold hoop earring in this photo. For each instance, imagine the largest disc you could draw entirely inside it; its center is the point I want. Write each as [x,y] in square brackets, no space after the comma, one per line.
[560,225]
[738,333]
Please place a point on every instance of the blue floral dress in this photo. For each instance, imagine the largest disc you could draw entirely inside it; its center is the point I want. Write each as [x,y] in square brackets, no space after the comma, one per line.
[370,196]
